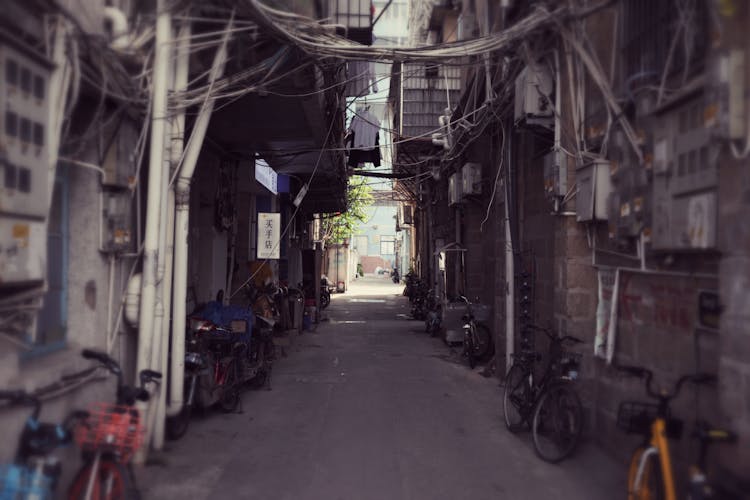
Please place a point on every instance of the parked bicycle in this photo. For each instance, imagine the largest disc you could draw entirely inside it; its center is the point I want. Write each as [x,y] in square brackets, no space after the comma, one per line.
[434,316]
[651,475]
[477,343]
[549,405]
[109,436]
[412,282]
[35,472]
[325,293]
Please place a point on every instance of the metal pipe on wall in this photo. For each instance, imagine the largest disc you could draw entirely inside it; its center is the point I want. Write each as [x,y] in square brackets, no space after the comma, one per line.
[153,196]
[175,147]
[182,215]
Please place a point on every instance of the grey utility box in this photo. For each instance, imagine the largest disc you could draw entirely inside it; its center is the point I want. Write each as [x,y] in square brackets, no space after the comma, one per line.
[594,186]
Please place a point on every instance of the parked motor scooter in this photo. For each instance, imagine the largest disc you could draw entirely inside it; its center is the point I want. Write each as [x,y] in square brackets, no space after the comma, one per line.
[325,293]
[220,360]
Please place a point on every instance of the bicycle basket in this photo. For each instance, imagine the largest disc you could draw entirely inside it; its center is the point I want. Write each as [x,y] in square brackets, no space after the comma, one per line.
[112,428]
[636,418]
[17,481]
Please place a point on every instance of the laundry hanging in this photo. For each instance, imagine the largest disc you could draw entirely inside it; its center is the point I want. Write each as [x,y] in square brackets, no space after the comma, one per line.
[364,139]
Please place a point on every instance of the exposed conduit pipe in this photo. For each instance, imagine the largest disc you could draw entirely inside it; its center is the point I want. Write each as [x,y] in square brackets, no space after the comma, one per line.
[182,213]
[153,196]
[174,145]
[176,151]
[147,317]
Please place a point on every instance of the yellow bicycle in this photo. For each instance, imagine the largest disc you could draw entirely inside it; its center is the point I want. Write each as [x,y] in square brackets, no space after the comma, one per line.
[651,475]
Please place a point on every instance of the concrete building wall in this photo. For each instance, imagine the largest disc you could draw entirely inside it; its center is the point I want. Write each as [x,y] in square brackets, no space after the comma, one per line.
[87,283]
[734,269]
[658,324]
[379,226]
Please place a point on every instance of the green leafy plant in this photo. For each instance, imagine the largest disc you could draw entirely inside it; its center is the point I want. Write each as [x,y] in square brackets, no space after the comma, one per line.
[339,227]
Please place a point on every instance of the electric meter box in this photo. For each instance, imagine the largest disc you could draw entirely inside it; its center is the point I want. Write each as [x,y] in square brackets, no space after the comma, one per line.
[116,221]
[454,189]
[594,188]
[471,179]
[23,250]
[534,87]
[120,159]
[685,163]
[24,133]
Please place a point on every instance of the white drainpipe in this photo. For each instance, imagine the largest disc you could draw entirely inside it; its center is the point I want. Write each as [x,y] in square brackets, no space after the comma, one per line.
[166,246]
[182,214]
[176,149]
[153,200]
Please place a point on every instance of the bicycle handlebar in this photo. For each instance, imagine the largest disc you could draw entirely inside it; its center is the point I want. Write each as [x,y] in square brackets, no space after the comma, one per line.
[648,375]
[12,395]
[126,395]
[147,376]
[103,359]
[552,336]
[20,397]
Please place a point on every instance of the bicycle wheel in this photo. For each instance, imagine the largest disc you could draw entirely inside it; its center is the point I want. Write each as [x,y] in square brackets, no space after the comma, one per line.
[325,299]
[469,349]
[516,396]
[230,392]
[177,426]
[113,482]
[483,345]
[651,484]
[557,424]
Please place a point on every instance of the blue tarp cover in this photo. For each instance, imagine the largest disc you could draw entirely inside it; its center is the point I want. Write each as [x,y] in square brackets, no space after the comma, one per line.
[222,315]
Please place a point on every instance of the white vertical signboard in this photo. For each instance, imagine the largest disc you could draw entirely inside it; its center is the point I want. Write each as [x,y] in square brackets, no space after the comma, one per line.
[269,234]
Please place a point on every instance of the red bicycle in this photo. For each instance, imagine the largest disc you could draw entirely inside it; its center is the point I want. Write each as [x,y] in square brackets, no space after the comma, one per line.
[109,437]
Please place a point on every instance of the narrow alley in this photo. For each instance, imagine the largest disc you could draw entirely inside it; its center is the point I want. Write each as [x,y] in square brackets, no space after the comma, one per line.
[369,407]
[387,249]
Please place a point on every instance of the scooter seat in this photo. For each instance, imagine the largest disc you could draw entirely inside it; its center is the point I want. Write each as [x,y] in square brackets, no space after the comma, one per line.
[269,322]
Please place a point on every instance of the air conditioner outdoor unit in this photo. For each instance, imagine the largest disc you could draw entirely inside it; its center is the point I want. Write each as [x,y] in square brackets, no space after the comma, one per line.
[471,179]
[454,189]
[534,88]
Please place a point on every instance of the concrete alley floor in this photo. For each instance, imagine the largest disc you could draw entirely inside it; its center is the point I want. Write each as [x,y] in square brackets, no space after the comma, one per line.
[369,407]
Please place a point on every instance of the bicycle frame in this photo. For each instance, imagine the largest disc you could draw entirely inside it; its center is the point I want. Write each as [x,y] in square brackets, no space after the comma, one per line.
[658,445]
[112,418]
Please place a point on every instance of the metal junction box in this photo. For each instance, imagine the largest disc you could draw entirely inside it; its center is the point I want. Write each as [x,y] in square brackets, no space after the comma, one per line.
[555,182]
[594,188]
[116,221]
[534,87]
[471,179]
[119,161]
[685,179]
[454,189]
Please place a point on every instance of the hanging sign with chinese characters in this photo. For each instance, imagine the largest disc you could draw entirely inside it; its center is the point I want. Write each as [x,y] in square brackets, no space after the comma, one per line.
[269,234]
